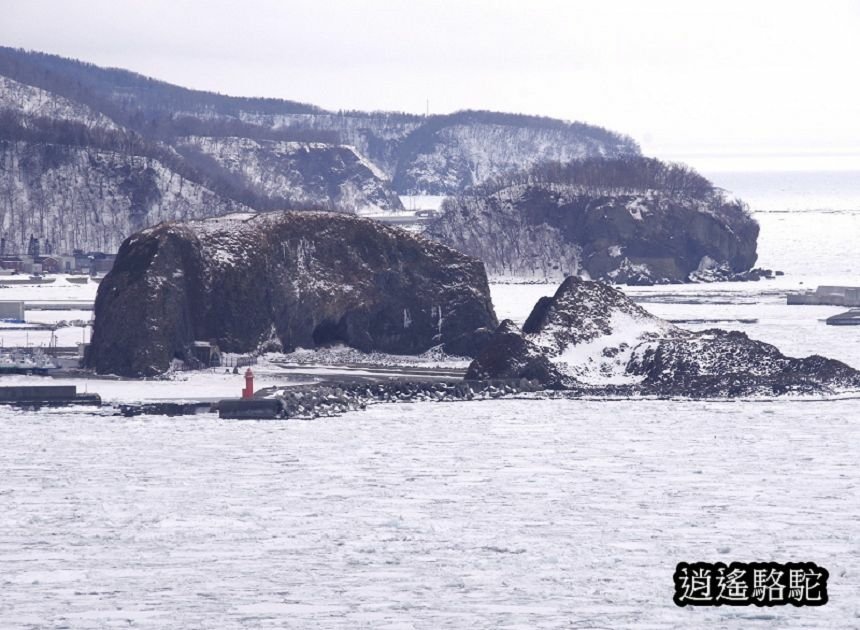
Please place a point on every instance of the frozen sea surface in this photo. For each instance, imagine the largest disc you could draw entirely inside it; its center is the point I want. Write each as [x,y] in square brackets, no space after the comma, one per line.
[504,514]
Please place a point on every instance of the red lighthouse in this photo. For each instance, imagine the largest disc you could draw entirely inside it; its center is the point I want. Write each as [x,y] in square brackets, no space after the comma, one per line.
[248,392]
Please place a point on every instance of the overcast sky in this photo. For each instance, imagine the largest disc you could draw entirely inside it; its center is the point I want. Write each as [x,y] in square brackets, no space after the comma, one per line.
[683,78]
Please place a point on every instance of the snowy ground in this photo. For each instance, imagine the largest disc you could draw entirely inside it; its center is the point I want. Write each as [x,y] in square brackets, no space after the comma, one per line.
[510,514]
[58,292]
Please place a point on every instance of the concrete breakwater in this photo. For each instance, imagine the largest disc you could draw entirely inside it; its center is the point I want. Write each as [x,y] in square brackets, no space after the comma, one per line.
[316,401]
[46,396]
[334,398]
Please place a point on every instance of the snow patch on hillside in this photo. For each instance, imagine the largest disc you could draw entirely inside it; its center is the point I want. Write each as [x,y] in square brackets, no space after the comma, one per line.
[36,102]
[603,359]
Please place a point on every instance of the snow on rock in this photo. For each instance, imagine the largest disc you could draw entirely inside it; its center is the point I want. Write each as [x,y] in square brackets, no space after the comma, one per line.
[511,355]
[281,281]
[547,226]
[728,363]
[590,330]
[595,337]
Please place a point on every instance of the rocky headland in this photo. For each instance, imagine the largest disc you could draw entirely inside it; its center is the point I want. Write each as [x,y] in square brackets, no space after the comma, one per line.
[627,220]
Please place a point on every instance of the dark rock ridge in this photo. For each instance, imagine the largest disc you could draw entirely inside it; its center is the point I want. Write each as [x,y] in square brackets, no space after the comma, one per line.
[620,224]
[717,362]
[578,313]
[292,279]
[322,399]
[589,336]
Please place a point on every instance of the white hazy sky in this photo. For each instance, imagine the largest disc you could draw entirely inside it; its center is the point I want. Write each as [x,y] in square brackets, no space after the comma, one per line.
[684,78]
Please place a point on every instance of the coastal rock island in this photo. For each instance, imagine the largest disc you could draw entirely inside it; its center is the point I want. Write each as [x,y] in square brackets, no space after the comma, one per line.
[282,280]
[590,336]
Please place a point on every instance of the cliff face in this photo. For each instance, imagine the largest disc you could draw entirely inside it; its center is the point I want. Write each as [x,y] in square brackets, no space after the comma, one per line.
[551,230]
[308,173]
[295,279]
[594,338]
[81,197]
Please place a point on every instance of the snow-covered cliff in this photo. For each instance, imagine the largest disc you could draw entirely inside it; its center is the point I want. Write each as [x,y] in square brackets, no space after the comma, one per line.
[82,198]
[307,172]
[627,220]
[31,101]
[451,153]
[446,154]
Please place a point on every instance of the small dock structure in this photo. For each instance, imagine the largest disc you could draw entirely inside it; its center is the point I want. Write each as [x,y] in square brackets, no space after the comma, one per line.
[46,395]
[828,296]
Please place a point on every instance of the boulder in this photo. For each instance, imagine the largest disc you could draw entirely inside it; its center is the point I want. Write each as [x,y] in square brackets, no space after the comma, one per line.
[469,344]
[510,355]
[299,279]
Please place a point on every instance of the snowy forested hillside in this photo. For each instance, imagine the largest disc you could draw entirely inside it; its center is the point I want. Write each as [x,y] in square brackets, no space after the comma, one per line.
[57,115]
[451,153]
[32,101]
[445,154]
[80,197]
[306,172]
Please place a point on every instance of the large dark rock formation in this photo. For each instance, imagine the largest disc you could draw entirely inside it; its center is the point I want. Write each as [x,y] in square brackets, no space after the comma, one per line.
[614,220]
[591,336]
[293,279]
